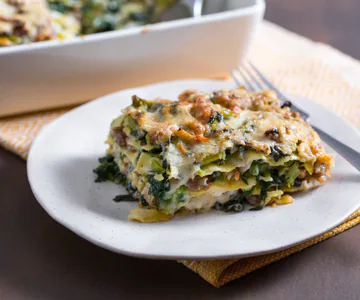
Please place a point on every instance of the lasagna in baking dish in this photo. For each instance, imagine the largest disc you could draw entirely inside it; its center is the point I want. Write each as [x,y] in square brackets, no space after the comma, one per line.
[25,21]
[219,150]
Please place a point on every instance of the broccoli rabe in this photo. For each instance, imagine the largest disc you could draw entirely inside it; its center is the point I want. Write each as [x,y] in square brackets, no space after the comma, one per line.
[108,170]
[167,202]
[235,204]
[277,153]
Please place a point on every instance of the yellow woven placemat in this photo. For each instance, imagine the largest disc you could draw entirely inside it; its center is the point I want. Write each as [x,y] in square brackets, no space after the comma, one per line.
[296,65]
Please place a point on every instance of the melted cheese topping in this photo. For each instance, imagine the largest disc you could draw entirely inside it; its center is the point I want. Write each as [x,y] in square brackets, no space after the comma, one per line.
[224,133]
[191,123]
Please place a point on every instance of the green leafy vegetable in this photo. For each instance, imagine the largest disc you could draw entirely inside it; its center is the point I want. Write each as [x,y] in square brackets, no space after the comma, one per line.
[139,17]
[277,179]
[227,113]
[155,151]
[259,207]
[201,173]
[120,198]
[254,168]
[235,204]
[137,101]
[156,165]
[165,164]
[180,195]
[213,176]
[108,170]
[211,158]
[149,162]
[277,153]
[298,182]
[265,185]
[248,127]
[159,188]
[108,158]
[243,178]
[239,153]
[173,109]
[286,104]
[292,173]
[215,119]
[136,131]
[143,201]
[60,7]
[167,202]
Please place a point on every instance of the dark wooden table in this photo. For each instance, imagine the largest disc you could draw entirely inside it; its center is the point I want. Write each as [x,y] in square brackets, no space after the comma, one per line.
[328,21]
[39,259]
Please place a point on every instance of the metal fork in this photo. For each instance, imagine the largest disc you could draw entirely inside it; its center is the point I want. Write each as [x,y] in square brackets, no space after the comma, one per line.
[255,81]
[182,9]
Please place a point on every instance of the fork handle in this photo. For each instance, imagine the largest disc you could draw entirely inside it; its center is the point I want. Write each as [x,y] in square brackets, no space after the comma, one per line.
[352,156]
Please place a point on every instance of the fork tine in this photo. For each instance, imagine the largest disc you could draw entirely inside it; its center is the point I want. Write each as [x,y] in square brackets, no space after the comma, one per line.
[248,83]
[253,77]
[281,96]
[237,81]
[268,82]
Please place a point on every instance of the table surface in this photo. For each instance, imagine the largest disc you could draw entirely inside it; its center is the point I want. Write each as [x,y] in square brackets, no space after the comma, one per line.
[40,259]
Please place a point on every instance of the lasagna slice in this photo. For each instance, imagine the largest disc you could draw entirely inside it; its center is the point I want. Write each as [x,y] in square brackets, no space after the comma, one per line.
[24,21]
[218,150]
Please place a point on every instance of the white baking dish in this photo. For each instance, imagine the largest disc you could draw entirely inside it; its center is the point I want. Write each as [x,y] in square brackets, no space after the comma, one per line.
[50,74]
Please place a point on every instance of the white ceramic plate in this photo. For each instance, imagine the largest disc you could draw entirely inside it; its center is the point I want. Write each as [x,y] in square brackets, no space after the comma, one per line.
[65,152]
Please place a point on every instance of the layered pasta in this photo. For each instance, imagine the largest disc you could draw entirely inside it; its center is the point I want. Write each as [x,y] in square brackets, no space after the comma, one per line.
[223,150]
